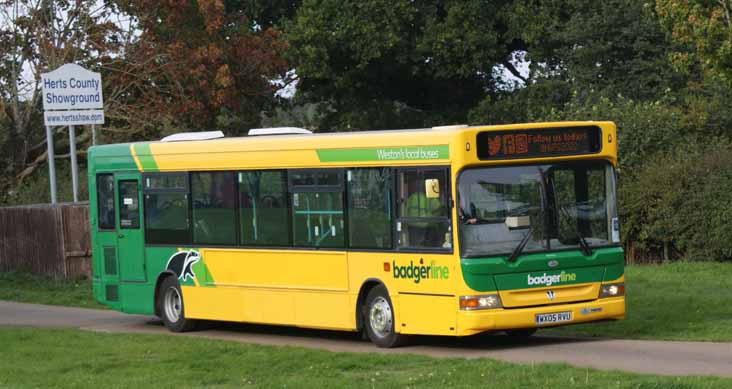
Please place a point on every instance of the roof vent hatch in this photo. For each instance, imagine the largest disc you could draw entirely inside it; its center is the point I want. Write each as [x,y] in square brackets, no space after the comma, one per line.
[278,131]
[188,136]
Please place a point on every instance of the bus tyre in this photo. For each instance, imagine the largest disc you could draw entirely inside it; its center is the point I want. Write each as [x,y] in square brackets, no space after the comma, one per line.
[379,319]
[171,307]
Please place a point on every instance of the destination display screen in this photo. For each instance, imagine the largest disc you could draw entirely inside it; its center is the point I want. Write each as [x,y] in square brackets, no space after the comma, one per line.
[533,143]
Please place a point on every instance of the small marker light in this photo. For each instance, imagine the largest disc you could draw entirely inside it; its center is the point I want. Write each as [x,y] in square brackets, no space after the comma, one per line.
[387,266]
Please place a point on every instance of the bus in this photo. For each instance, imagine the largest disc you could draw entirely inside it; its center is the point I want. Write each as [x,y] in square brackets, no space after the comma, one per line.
[453,230]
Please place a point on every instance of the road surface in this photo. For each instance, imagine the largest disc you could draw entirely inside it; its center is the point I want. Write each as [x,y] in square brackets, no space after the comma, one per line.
[640,356]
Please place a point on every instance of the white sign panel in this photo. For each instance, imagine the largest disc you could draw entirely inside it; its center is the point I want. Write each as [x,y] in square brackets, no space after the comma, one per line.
[73,118]
[71,87]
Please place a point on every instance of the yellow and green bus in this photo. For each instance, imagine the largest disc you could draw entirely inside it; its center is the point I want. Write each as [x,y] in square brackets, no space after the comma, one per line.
[451,230]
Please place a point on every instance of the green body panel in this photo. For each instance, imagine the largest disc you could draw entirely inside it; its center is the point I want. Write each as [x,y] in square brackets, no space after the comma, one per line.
[110,158]
[144,155]
[613,272]
[481,274]
[580,275]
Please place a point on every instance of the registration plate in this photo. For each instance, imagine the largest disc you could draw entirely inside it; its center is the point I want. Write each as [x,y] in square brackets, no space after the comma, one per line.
[556,317]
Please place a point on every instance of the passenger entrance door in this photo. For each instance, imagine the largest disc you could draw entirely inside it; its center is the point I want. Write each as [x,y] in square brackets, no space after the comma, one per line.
[106,266]
[130,241]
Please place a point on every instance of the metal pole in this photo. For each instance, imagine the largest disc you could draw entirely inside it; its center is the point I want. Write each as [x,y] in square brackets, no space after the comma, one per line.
[74,167]
[51,164]
[94,136]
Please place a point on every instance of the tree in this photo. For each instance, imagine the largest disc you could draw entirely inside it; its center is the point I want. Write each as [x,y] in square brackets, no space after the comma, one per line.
[213,65]
[579,49]
[386,64]
[704,29]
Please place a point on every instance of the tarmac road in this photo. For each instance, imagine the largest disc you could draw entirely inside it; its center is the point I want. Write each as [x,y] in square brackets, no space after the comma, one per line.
[641,356]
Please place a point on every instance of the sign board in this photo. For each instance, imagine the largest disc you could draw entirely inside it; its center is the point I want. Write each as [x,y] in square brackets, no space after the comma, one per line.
[71,96]
[537,143]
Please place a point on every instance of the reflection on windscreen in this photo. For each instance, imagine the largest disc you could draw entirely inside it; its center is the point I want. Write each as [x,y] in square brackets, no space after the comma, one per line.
[551,205]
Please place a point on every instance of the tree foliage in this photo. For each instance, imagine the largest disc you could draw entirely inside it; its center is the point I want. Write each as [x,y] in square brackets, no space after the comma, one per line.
[704,29]
[678,203]
[387,64]
[213,66]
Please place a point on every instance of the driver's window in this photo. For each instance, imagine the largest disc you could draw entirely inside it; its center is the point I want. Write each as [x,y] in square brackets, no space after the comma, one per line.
[424,215]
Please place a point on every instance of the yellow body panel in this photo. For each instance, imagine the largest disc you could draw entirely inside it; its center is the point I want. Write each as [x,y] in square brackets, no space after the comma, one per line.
[319,288]
[473,322]
[534,296]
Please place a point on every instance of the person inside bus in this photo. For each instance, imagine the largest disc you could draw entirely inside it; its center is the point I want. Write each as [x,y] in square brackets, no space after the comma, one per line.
[466,213]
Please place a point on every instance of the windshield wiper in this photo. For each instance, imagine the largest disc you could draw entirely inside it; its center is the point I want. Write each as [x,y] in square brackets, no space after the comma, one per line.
[514,255]
[586,249]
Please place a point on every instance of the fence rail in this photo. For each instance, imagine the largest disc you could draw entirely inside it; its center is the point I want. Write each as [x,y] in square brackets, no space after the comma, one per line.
[46,239]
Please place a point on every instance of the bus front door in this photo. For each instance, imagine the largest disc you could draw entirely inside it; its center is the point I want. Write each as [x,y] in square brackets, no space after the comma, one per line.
[130,241]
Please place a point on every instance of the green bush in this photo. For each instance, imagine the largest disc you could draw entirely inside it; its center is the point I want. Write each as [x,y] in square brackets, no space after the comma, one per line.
[679,204]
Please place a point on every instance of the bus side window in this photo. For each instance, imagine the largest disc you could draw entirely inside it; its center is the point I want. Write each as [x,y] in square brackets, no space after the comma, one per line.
[105,201]
[166,209]
[263,209]
[369,208]
[317,208]
[214,208]
[424,215]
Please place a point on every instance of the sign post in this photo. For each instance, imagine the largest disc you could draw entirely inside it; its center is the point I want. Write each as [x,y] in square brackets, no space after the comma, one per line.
[72,96]
[51,164]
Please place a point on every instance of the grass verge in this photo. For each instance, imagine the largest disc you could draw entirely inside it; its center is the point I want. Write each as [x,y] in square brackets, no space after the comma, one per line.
[46,358]
[675,301]
[31,288]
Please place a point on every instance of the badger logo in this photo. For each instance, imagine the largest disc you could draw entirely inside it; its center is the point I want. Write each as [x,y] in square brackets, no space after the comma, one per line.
[181,263]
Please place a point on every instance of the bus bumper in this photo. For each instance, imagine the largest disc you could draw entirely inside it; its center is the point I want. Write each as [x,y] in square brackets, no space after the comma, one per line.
[473,322]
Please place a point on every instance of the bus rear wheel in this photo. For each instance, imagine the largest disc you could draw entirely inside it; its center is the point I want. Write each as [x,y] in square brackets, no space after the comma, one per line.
[379,319]
[171,307]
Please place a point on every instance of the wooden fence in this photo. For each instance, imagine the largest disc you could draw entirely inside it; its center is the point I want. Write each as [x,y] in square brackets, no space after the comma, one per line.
[46,239]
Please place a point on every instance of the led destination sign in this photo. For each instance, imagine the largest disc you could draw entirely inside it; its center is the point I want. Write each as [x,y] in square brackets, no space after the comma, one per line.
[532,143]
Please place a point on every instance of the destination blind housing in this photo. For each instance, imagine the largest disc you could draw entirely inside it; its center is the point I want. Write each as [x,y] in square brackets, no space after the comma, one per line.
[540,142]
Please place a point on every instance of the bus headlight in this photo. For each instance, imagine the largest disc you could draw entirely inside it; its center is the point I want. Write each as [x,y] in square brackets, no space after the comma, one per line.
[487,301]
[612,290]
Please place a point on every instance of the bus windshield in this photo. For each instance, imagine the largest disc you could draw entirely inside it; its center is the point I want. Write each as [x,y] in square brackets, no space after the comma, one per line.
[536,208]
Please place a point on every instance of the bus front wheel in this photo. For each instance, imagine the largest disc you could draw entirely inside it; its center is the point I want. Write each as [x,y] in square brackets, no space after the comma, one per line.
[171,307]
[379,319]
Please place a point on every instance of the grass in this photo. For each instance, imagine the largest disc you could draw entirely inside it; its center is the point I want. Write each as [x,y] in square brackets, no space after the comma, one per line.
[73,358]
[31,288]
[675,301]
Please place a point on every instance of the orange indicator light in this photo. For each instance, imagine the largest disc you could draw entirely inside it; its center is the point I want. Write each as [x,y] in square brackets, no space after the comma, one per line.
[468,303]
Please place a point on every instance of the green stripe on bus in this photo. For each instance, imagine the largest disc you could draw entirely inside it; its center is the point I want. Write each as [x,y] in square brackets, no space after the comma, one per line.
[144,155]
[406,153]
